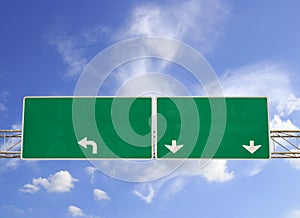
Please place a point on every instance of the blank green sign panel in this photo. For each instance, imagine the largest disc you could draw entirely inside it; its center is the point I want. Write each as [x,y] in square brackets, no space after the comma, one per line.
[80,128]
[235,128]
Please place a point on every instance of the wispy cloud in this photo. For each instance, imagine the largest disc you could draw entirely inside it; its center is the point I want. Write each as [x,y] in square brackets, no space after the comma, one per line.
[288,105]
[167,187]
[267,79]
[148,83]
[259,79]
[72,48]
[91,171]
[214,171]
[146,192]
[70,52]
[2,107]
[11,164]
[13,209]
[3,99]
[199,22]
[16,126]
[294,214]
[61,181]
[294,162]
[256,167]
[175,186]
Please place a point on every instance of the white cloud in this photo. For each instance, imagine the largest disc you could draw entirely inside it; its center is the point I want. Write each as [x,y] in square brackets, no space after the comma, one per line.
[217,171]
[212,171]
[100,195]
[278,124]
[42,182]
[146,193]
[75,211]
[61,181]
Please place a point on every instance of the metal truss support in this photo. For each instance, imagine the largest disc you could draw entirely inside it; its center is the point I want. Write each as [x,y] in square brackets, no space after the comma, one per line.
[283,143]
[10,143]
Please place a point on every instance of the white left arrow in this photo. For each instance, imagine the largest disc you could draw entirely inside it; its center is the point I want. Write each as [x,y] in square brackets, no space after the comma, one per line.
[84,143]
[252,148]
[174,147]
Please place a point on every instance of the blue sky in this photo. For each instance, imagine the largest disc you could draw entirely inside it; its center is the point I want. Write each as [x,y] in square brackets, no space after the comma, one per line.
[253,48]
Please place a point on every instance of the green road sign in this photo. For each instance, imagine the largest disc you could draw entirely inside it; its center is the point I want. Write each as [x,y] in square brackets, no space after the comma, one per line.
[87,127]
[233,128]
